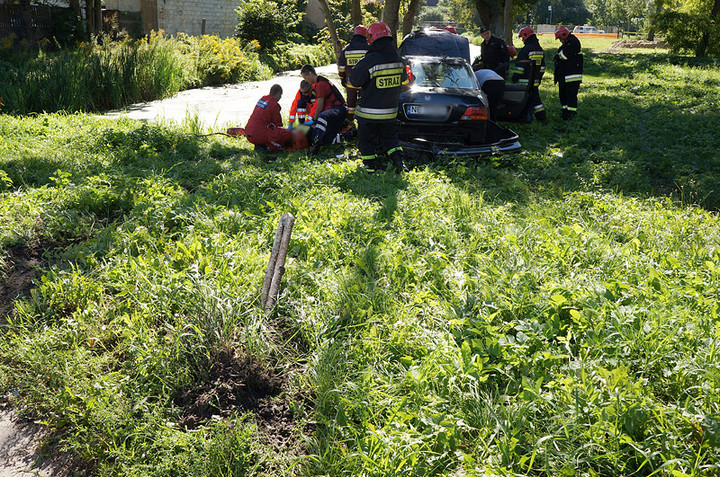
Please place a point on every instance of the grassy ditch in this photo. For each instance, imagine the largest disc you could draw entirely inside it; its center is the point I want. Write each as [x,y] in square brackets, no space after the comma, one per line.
[552,312]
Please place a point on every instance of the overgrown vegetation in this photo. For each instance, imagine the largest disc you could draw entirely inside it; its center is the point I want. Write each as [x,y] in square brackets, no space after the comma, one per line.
[97,78]
[548,313]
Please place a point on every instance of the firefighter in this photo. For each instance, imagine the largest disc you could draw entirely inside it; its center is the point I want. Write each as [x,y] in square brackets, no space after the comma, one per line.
[264,128]
[568,71]
[349,56]
[330,111]
[302,105]
[494,54]
[352,53]
[379,77]
[530,63]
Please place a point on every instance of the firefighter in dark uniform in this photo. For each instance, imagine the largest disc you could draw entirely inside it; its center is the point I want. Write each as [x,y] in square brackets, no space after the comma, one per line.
[379,77]
[568,71]
[494,54]
[530,62]
[330,111]
[349,56]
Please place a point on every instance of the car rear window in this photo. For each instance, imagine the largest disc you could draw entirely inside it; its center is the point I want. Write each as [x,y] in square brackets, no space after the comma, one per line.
[442,75]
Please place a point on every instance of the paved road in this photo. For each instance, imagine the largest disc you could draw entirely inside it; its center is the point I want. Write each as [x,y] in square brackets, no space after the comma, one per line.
[219,107]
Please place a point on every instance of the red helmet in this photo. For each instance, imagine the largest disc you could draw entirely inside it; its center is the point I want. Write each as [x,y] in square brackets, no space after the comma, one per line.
[512,50]
[360,30]
[562,33]
[378,30]
[451,29]
[525,32]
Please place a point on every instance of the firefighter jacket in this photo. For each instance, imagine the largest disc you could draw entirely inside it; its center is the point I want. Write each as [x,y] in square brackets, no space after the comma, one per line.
[494,56]
[324,88]
[350,55]
[380,75]
[530,61]
[301,107]
[266,112]
[569,61]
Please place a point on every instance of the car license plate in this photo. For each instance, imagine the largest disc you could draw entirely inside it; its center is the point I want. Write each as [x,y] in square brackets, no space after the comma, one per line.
[428,110]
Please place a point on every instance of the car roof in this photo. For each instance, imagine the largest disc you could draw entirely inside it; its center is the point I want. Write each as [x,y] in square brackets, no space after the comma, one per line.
[436,59]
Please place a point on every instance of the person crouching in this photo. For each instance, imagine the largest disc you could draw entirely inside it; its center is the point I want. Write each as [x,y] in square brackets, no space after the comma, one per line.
[264,128]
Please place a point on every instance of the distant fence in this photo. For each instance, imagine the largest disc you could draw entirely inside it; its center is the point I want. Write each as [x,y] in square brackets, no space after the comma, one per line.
[28,22]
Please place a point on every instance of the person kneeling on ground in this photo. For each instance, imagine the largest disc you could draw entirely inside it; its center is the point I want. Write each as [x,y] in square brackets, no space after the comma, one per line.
[264,128]
[330,111]
[302,106]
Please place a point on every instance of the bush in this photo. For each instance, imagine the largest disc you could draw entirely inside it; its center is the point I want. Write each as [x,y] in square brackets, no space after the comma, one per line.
[703,39]
[266,21]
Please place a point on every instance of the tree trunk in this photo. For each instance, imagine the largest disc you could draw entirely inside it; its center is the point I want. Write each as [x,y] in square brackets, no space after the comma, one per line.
[75,5]
[98,16]
[491,16]
[331,27]
[390,15]
[90,17]
[705,39]
[409,17]
[356,13]
[507,22]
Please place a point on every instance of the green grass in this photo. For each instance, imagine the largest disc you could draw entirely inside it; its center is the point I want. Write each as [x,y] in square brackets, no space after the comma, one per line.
[553,312]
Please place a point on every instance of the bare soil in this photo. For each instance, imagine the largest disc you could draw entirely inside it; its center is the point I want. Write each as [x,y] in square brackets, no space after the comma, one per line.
[22,267]
[236,385]
[624,44]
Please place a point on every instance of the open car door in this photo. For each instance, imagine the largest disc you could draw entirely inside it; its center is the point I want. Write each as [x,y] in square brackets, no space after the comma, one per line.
[515,105]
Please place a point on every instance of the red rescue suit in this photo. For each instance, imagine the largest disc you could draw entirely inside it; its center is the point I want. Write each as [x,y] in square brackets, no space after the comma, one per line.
[264,128]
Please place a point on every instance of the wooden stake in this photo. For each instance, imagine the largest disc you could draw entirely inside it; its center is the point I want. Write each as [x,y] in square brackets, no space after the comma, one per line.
[276,265]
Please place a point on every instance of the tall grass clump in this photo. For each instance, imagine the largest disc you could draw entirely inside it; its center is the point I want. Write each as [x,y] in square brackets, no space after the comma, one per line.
[95,77]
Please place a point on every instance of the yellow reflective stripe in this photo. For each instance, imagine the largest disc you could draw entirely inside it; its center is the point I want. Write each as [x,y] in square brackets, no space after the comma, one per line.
[395,149]
[372,156]
[387,72]
[361,114]
[571,78]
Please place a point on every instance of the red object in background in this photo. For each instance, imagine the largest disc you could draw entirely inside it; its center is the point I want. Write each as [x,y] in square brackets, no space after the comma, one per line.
[236,132]
[512,50]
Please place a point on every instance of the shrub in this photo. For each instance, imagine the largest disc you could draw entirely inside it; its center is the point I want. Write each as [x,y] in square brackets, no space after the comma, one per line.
[703,39]
[266,21]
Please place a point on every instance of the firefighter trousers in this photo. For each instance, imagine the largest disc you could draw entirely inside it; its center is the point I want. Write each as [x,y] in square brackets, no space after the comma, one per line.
[569,96]
[378,138]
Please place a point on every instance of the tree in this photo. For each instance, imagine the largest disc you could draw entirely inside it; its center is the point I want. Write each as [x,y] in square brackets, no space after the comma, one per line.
[331,27]
[409,17]
[391,14]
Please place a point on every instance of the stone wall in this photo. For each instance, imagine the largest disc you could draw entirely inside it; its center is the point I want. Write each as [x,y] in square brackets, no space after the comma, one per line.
[187,15]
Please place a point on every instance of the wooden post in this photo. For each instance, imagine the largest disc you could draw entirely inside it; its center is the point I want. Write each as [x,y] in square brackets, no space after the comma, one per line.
[276,265]
[202,27]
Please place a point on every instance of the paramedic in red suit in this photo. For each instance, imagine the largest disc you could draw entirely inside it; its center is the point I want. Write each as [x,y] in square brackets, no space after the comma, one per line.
[264,128]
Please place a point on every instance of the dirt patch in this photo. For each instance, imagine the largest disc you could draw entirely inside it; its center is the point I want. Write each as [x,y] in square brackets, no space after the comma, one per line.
[23,265]
[236,385]
[624,44]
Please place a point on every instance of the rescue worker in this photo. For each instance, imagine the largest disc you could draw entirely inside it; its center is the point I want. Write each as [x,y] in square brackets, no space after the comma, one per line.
[494,54]
[530,63]
[493,85]
[264,128]
[349,56]
[330,111]
[302,104]
[352,53]
[379,77]
[568,71]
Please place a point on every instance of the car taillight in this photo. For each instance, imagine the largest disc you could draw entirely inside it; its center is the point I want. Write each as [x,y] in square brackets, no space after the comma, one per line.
[475,113]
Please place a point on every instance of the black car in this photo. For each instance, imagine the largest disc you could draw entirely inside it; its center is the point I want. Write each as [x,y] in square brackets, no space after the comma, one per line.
[443,110]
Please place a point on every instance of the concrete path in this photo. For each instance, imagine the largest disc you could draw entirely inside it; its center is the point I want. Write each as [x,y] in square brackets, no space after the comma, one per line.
[19,453]
[218,107]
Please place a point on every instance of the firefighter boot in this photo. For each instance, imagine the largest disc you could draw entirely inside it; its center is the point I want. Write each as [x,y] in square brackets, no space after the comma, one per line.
[397,159]
[564,114]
